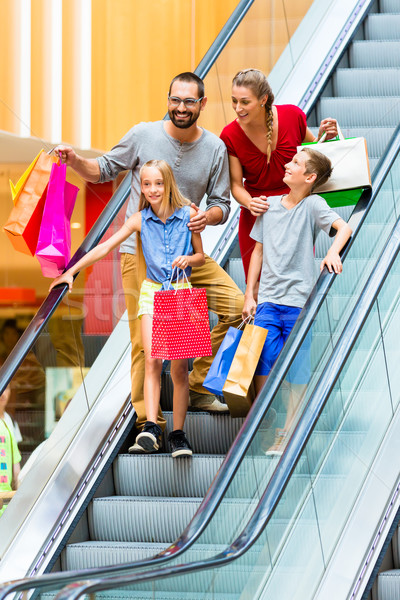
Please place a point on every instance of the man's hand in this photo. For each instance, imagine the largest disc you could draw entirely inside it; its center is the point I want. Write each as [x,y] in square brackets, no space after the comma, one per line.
[198,223]
[259,206]
[67,155]
[328,126]
[332,262]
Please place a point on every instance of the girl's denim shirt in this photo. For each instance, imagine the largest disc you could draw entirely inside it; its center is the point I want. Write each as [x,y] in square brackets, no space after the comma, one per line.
[163,242]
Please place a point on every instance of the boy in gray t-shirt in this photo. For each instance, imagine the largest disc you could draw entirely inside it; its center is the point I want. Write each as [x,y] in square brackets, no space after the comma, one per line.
[285,237]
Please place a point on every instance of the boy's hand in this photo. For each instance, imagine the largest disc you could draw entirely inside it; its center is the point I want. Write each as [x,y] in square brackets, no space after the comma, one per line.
[249,307]
[332,262]
[64,278]
[181,262]
[259,205]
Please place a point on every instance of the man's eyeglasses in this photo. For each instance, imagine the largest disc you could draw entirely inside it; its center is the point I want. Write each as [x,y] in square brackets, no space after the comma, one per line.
[188,102]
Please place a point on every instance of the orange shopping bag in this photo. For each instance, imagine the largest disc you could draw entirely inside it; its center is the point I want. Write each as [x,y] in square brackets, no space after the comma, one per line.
[23,224]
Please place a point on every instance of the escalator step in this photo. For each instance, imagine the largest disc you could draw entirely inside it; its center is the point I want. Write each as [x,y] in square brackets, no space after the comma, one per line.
[359,112]
[159,475]
[382,26]
[389,585]
[139,519]
[366,82]
[231,579]
[207,433]
[389,6]
[369,54]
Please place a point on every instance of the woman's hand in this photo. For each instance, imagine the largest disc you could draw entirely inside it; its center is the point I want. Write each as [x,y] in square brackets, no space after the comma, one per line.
[258,206]
[64,278]
[328,126]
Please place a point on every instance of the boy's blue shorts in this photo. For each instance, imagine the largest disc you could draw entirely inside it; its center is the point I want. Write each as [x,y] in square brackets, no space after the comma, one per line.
[279,320]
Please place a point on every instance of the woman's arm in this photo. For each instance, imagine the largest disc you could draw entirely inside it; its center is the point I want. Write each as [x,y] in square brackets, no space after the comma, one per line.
[332,259]
[130,226]
[257,206]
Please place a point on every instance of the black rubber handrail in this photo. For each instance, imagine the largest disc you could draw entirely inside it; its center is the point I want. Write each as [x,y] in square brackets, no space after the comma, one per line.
[293,450]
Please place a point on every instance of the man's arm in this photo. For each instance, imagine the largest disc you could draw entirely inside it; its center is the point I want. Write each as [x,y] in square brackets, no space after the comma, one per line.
[332,259]
[87,168]
[121,157]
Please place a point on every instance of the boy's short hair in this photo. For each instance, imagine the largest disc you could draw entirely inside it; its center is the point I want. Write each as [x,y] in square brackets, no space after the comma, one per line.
[189,77]
[319,164]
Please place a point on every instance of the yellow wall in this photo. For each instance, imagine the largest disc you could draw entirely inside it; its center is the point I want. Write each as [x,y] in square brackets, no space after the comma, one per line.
[137,48]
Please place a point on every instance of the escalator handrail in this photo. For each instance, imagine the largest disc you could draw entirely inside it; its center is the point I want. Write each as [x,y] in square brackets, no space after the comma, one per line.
[51,302]
[294,448]
[232,461]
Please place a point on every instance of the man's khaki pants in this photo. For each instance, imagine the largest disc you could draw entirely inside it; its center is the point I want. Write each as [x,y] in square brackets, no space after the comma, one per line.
[223,298]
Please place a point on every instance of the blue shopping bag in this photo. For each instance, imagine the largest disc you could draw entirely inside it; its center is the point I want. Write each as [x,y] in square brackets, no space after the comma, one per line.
[218,372]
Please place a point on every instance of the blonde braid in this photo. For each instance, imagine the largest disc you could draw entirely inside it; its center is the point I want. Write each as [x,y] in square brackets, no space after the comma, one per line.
[269,121]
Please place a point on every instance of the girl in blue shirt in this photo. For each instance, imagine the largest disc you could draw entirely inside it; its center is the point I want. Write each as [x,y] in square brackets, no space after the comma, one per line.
[168,245]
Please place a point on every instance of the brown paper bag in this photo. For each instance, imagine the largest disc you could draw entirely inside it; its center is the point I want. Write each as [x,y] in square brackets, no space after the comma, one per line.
[238,389]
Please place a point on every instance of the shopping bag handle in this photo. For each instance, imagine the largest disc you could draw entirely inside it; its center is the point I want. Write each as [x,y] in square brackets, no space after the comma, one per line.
[246,321]
[339,136]
[183,280]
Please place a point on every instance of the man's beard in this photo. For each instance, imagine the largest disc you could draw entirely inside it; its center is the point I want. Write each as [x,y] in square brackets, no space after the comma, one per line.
[187,122]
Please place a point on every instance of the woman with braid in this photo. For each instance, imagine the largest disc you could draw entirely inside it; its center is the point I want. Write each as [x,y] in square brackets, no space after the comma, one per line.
[260,141]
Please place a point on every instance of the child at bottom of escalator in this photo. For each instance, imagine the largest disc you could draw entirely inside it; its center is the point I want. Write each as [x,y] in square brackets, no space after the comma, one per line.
[285,237]
[168,247]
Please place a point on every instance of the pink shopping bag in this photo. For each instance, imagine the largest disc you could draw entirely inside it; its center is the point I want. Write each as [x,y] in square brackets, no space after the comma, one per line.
[181,328]
[54,244]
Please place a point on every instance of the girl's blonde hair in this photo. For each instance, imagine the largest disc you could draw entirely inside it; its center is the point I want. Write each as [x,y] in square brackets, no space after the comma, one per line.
[172,196]
[255,80]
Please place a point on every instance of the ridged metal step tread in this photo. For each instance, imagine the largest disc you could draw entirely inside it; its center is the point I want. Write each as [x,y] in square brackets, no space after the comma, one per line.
[207,433]
[375,53]
[138,519]
[160,475]
[367,82]
[382,26]
[358,112]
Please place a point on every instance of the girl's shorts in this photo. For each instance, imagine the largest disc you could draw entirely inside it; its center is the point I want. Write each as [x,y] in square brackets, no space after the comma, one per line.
[146,298]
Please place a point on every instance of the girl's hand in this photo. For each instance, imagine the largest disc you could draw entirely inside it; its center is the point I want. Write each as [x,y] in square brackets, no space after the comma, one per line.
[249,307]
[259,206]
[329,126]
[64,278]
[181,262]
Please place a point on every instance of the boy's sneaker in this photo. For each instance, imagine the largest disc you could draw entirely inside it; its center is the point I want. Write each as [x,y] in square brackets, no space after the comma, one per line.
[279,443]
[149,440]
[178,444]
